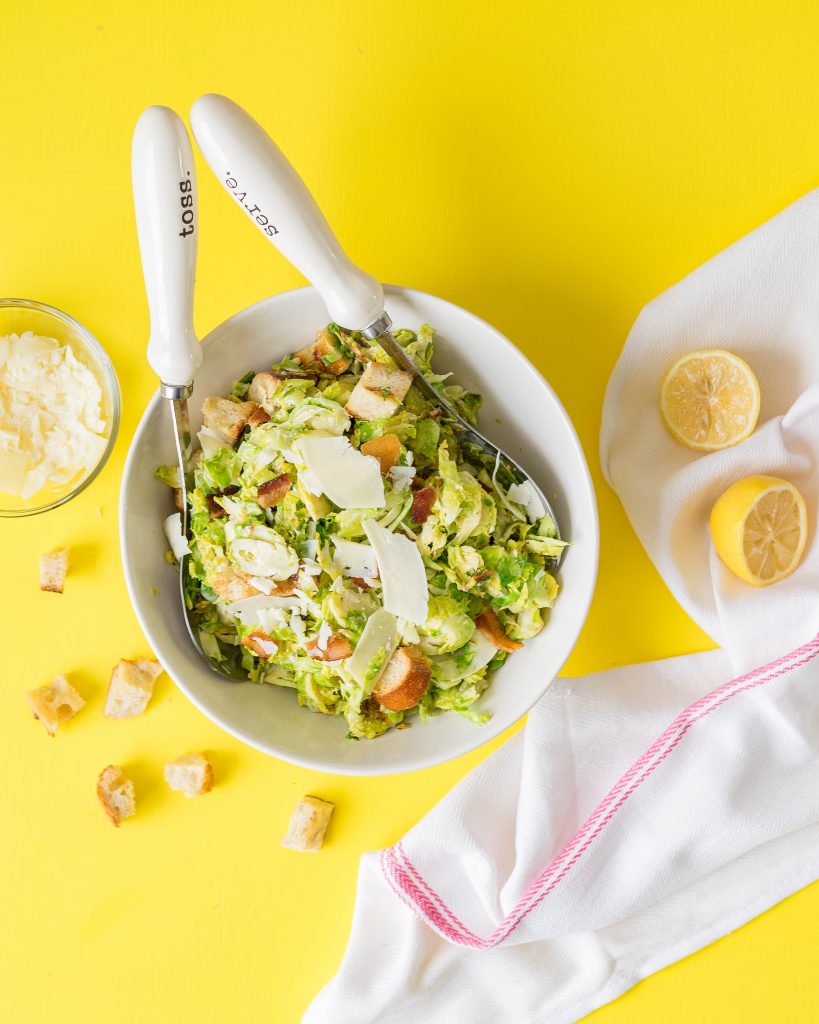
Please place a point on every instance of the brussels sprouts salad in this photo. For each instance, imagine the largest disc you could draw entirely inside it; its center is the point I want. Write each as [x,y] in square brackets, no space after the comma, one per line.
[342,545]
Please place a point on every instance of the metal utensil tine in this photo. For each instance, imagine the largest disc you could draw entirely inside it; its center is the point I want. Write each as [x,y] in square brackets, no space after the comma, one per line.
[487,451]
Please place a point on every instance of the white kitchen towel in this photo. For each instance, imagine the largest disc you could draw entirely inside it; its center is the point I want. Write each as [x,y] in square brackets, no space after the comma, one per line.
[645,811]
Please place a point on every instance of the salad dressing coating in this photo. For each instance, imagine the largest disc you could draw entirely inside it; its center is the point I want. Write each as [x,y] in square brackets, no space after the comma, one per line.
[283,580]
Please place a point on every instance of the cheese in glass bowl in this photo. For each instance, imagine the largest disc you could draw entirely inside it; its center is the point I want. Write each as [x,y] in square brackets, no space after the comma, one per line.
[59,407]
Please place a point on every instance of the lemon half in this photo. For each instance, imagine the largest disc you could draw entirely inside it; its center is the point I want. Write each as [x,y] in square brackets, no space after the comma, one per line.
[710,400]
[759,528]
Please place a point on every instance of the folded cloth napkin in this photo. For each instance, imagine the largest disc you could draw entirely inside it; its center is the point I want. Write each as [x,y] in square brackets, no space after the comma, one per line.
[645,811]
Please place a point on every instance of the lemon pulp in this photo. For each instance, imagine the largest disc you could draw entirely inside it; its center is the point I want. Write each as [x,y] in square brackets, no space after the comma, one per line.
[709,400]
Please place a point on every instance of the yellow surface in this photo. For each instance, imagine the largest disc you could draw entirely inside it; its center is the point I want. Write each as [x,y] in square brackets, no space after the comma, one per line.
[549,166]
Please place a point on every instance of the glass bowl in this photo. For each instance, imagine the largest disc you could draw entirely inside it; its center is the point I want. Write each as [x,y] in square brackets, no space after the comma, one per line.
[19,315]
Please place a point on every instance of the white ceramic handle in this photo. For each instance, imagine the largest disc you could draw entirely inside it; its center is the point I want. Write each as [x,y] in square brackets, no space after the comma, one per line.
[167,217]
[262,181]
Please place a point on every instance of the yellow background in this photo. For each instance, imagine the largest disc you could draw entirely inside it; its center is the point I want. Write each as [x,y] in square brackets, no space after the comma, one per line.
[550,166]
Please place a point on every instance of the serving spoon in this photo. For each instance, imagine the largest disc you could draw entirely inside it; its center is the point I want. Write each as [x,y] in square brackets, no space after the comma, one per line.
[259,177]
[165,201]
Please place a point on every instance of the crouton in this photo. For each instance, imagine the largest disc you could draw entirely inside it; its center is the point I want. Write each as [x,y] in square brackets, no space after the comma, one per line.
[404,680]
[285,588]
[324,355]
[336,648]
[116,794]
[381,376]
[232,584]
[227,418]
[55,704]
[178,499]
[263,388]
[191,774]
[272,492]
[422,502]
[257,418]
[308,823]
[260,643]
[489,624]
[306,356]
[53,570]
[386,449]
[370,405]
[379,393]
[131,687]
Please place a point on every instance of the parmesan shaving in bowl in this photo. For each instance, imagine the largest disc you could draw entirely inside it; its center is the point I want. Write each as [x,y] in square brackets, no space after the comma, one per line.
[52,428]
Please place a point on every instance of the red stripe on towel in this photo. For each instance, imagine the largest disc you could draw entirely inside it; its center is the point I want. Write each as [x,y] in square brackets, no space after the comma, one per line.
[408,884]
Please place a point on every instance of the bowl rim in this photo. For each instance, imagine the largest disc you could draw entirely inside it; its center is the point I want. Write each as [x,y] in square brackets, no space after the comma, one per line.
[499,724]
[111,380]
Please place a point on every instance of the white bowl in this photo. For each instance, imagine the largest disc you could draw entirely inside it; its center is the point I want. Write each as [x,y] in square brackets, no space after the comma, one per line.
[520,412]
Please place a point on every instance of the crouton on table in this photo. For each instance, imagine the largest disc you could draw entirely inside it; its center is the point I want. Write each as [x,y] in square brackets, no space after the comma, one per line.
[191,774]
[308,823]
[131,687]
[116,794]
[53,570]
[55,704]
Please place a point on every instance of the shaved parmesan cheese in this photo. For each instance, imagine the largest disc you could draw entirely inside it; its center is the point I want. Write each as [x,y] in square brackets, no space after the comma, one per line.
[210,441]
[52,427]
[262,584]
[306,582]
[526,494]
[344,475]
[311,482]
[248,605]
[354,559]
[409,634]
[306,605]
[266,619]
[380,634]
[265,613]
[402,477]
[266,646]
[450,669]
[297,625]
[324,635]
[401,569]
[176,539]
